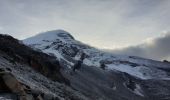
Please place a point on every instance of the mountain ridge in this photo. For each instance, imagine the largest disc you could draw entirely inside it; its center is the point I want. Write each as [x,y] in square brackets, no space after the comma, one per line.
[72,50]
[47,67]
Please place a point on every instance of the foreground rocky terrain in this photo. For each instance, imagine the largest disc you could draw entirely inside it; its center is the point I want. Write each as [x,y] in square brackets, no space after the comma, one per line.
[26,74]
[43,70]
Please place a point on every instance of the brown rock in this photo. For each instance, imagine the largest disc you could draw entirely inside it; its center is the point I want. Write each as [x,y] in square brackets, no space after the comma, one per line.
[12,84]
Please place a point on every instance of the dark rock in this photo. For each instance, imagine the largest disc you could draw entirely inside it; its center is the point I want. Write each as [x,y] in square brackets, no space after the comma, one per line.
[10,84]
[43,63]
[166,61]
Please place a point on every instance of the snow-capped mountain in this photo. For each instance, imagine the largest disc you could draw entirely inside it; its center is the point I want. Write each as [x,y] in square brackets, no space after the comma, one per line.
[63,46]
[105,76]
[58,43]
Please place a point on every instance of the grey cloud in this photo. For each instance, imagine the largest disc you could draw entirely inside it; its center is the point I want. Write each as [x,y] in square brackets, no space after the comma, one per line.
[157,49]
[100,23]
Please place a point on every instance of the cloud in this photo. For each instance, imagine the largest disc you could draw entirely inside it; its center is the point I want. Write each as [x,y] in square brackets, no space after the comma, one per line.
[153,48]
[100,23]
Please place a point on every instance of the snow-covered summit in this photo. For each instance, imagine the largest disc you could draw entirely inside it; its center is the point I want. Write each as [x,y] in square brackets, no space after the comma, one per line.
[49,36]
[58,43]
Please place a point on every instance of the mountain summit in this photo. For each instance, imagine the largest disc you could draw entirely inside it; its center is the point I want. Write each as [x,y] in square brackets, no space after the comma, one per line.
[50,36]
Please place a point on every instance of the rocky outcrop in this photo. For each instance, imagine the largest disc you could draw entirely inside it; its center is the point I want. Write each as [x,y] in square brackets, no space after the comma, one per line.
[11,86]
[27,74]
[43,63]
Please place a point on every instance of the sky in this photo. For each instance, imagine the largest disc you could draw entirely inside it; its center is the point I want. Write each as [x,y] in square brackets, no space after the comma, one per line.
[105,24]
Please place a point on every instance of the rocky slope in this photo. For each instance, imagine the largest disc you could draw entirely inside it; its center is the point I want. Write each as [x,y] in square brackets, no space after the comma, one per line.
[26,74]
[105,76]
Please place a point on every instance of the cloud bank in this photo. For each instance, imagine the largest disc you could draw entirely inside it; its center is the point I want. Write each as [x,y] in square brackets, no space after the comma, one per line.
[100,23]
[153,48]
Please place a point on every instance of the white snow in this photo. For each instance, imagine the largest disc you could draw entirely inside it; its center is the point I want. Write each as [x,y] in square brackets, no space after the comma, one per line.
[46,36]
[138,90]
[128,69]
[141,72]
[58,55]
[90,63]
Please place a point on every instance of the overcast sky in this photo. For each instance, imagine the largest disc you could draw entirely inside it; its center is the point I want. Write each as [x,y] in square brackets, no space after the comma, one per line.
[101,23]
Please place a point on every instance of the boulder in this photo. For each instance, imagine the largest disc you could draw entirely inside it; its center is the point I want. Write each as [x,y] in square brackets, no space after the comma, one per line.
[12,85]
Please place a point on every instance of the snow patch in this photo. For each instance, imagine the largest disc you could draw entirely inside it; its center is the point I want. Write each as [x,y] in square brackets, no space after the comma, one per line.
[138,90]
[141,72]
